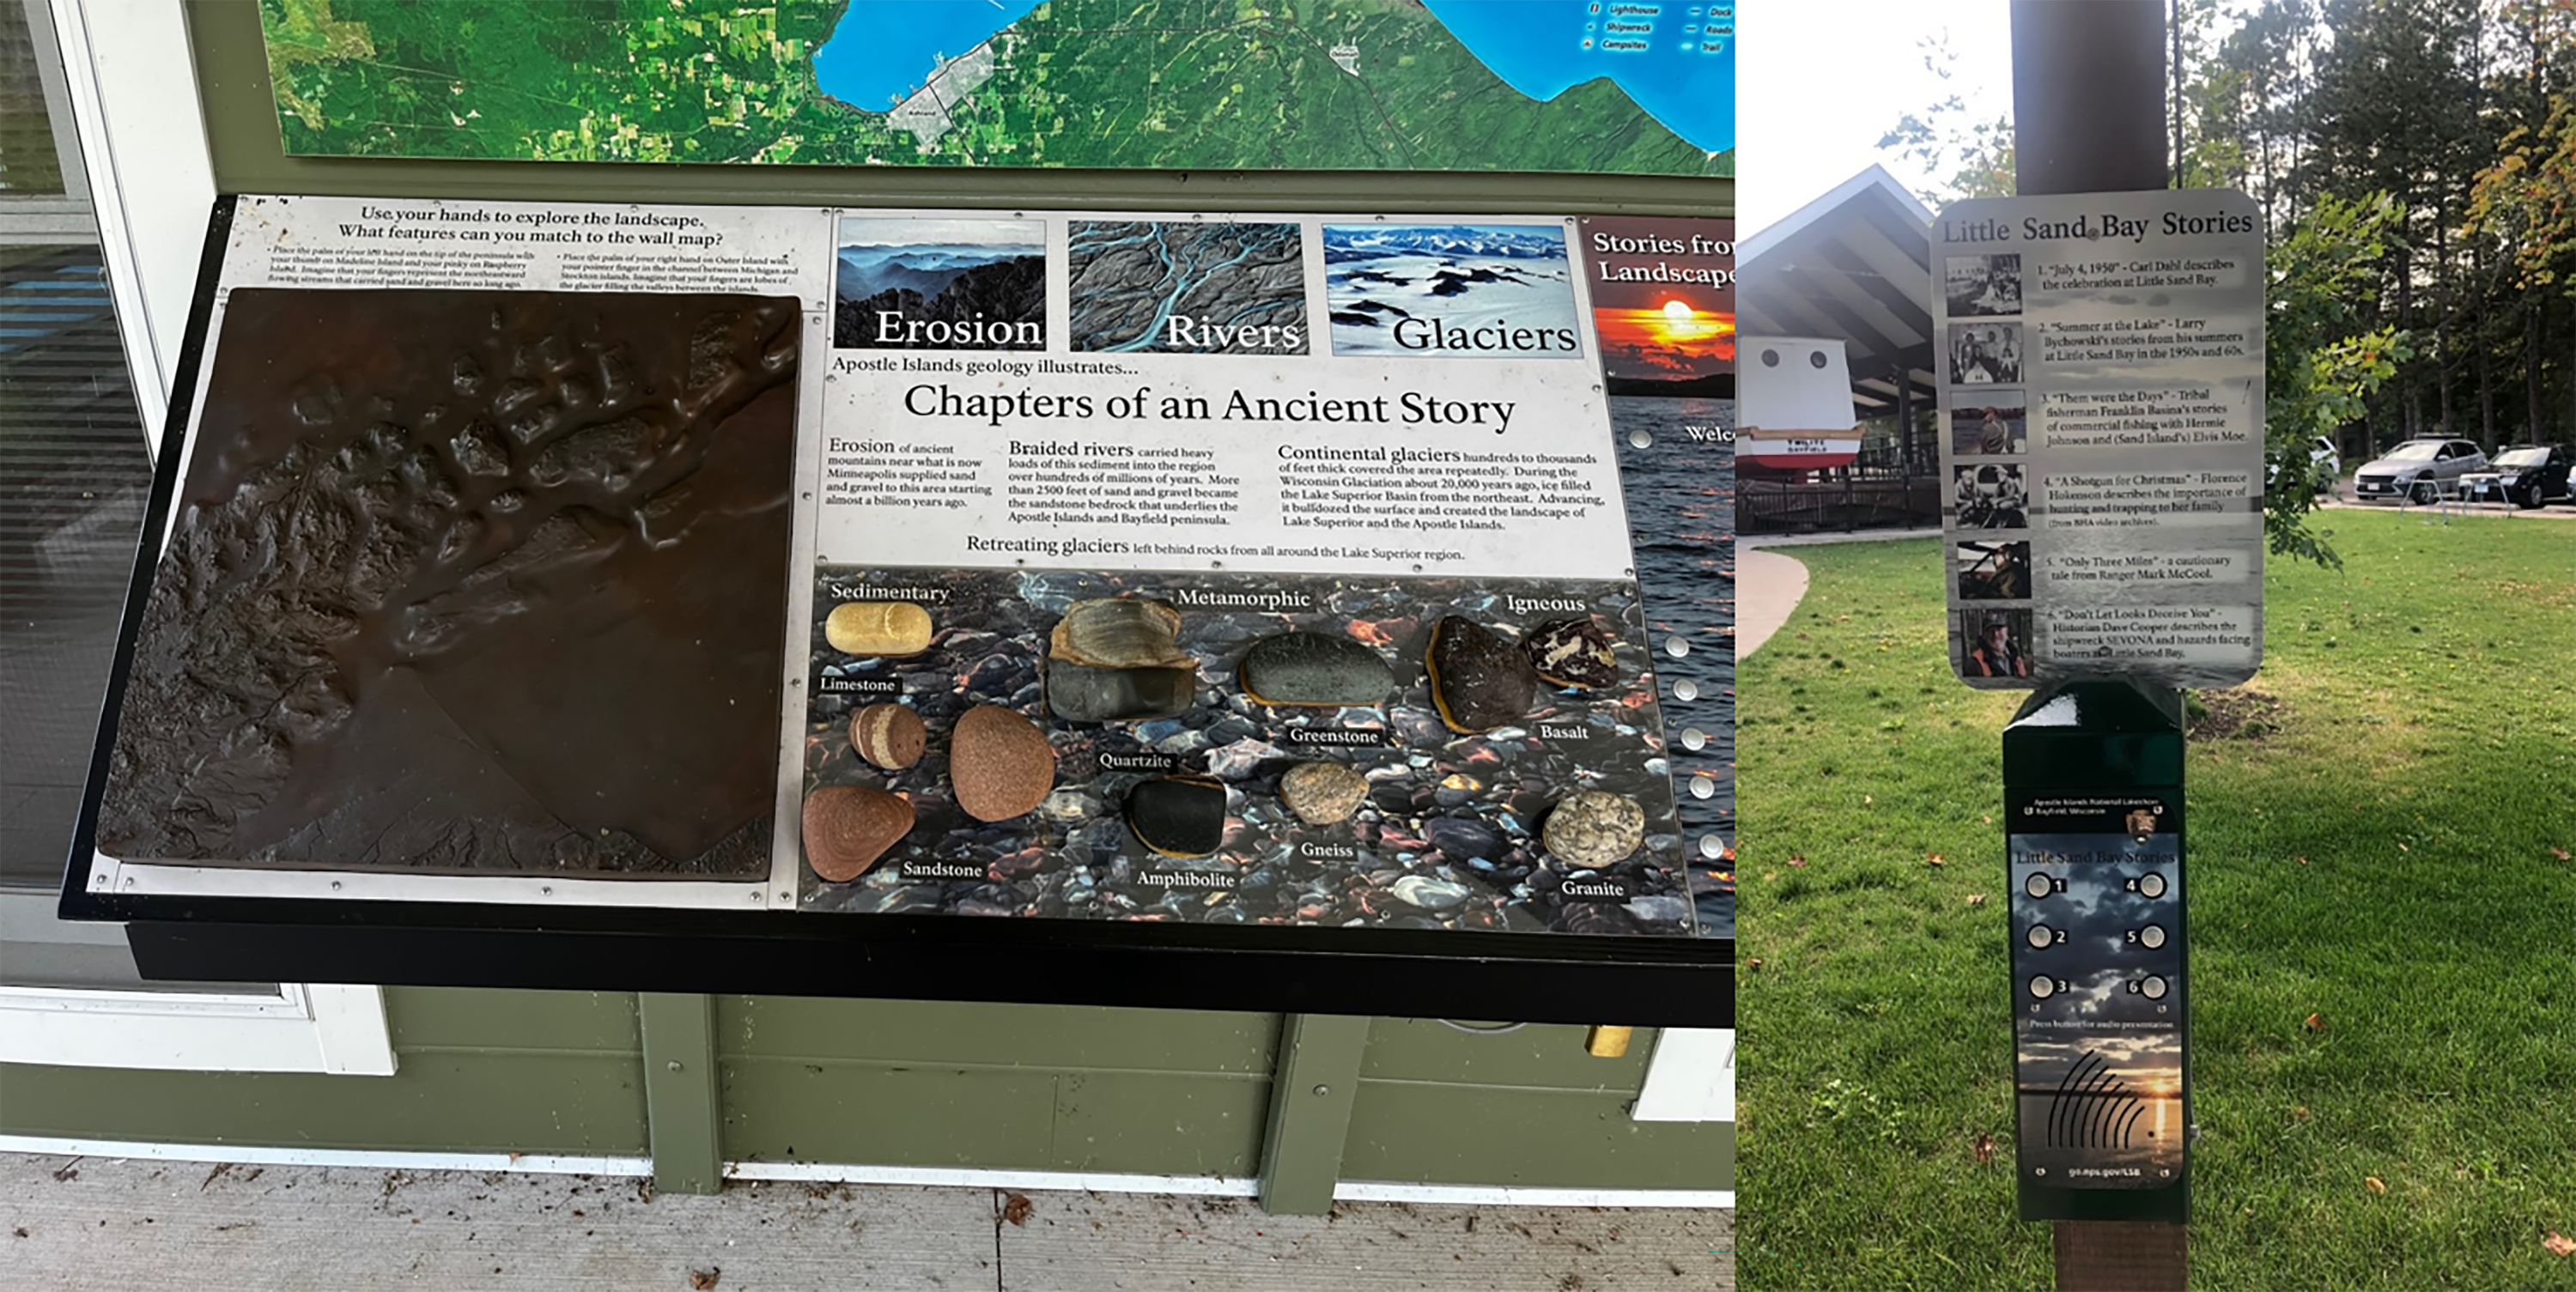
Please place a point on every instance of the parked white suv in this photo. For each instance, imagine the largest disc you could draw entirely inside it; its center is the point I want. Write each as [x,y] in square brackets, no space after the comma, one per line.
[2421,470]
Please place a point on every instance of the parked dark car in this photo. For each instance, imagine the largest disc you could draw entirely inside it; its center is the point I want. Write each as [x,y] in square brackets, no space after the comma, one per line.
[2526,475]
[2421,469]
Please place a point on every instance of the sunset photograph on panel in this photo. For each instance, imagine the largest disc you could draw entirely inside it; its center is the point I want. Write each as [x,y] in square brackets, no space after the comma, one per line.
[1663,304]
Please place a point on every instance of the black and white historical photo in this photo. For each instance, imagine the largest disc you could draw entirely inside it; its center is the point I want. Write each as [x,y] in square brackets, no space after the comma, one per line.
[1992,496]
[1982,286]
[1985,354]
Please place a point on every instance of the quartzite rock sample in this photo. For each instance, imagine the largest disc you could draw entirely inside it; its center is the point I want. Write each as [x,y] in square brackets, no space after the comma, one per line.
[1593,828]
[1314,669]
[1572,652]
[1478,680]
[1178,816]
[471,580]
[888,735]
[1115,659]
[1322,793]
[878,628]
[999,764]
[847,827]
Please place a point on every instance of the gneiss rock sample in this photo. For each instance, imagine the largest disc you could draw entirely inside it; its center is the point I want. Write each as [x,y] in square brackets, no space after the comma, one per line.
[888,735]
[1314,669]
[1322,793]
[878,628]
[1572,652]
[847,827]
[1478,680]
[1178,816]
[999,763]
[1590,829]
[471,580]
[1115,659]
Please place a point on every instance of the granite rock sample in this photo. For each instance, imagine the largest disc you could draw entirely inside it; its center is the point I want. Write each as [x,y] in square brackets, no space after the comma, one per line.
[878,628]
[1302,668]
[1479,681]
[468,580]
[1117,659]
[1322,793]
[1178,816]
[1594,828]
[848,827]
[1572,652]
[999,764]
[888,735]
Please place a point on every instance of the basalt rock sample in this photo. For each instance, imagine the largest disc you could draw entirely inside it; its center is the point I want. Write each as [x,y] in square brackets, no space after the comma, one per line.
[1116,659]
[1299,668]
[1178,816]
[1478,680]
[471,581]
[1572,652]
[847,827]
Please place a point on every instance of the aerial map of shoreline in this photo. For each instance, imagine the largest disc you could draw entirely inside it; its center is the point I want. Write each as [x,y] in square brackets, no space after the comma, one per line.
[1624,86]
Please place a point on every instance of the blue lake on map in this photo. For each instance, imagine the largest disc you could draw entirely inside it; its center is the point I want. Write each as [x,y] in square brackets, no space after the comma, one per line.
[882,50]
[1537,47]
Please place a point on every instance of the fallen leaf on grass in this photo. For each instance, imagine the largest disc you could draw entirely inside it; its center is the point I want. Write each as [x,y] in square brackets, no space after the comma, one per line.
[1935,860]
[1866,800]
[1976,899]
[2374,1184]
[1986,820]
[2315,1023]
[1984,1149]
[1797,859]
[2559,1244]
[1752,965]
[2562,854]
[1015,1209]
[705,1280]
[2303,861]
[2300,1112]
[2403,848]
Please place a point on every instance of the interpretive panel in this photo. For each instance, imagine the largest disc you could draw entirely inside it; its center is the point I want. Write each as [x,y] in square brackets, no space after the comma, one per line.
[1629,86]
[1223,570]
[2101,361]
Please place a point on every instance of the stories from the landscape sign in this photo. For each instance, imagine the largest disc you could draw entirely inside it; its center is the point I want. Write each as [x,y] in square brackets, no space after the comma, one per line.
[1626,86]
[2101,365]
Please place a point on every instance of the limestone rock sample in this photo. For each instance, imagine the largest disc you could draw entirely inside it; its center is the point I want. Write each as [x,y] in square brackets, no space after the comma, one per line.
[877,629]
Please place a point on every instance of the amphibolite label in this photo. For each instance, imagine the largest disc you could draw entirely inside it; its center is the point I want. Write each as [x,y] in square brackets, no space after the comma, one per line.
[1202,880]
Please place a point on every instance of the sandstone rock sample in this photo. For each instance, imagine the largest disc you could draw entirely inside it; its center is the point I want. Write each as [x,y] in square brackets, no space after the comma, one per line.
[999,764]
[1314,669]
[1572,652]
[1478,680]
[1322,793]
[1178,816]
[847,827]
[878,629]
[889,735]
[1590,829]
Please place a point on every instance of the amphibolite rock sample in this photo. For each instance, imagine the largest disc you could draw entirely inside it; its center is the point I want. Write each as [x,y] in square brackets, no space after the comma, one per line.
[847,827]
[1572,652]
[1115,659]
[888,735]
[471,580]
[1178,816]
[878,628]
[1322,793]
[1593,828]
[1314,669]
[999,764]
[1478,680]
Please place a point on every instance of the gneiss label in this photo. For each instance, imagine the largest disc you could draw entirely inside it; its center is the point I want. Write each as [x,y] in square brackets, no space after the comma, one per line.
[1327,852]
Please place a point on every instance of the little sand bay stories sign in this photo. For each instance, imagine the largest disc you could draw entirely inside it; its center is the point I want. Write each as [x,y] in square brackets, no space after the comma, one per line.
[2101,378]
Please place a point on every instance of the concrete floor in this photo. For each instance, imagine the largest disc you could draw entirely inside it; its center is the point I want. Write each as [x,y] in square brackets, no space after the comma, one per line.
[103,1223]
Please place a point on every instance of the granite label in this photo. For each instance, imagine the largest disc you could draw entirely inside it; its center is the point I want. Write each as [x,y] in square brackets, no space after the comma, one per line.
[1600,888]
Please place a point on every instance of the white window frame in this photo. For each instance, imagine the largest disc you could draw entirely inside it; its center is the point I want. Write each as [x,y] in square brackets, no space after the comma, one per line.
[1691,1077]
[134,108]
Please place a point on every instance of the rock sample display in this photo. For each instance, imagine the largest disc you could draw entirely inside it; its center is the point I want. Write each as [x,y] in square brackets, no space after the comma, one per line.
[1314,669]
[1479,681]
[999,764]
[1590,829]
[885,629]
[1572,652]
[1116,659]
[847,827]
[1178,816]
[471,580]
[1322,793]
[888,735]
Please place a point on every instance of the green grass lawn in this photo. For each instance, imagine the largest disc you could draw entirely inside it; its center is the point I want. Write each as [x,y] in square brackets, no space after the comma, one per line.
[2383,857]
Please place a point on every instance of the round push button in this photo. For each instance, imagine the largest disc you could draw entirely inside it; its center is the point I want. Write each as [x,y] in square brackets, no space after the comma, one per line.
[2043,986]
[2152,936]
[2041,935]
[2153,987]
[2038,886]
[2151,884]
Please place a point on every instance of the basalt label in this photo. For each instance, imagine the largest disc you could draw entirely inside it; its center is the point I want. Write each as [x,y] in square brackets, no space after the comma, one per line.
[907,284]
[1156,286]
[1493,291]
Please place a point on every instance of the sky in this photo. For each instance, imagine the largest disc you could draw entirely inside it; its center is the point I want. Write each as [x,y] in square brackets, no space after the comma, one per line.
[1818,81]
